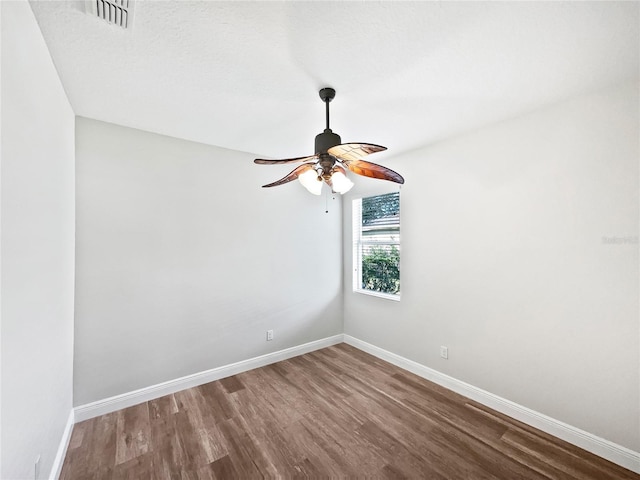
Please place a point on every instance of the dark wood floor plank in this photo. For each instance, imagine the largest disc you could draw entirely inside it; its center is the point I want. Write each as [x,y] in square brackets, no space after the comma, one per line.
[247,459]
[306,469]
[162,407]
[336,412]
[220,469]
[231,384]
[569,454]
[331,452]
[138,468]
[96,456]
[403,460]
[206,407]
[133,433]
[167,451]
[218,401]
[554,456]
[77,435]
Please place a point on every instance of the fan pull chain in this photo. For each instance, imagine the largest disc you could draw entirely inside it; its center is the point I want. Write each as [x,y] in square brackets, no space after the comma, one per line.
[326,201]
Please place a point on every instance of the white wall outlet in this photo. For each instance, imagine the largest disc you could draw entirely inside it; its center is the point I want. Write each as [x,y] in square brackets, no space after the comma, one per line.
[444,352]
[269,335]
[36,468]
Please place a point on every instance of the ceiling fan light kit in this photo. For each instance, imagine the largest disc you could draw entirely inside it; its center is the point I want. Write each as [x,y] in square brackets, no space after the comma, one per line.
[309,180]
[331,160]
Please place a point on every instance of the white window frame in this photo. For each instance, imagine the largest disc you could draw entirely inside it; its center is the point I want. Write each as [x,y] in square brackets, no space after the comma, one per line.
[358,243]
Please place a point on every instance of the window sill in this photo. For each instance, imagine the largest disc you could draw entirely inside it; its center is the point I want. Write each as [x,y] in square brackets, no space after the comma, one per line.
[388,296]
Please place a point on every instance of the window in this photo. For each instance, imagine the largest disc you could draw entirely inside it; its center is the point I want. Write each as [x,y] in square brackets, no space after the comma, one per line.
[376,245]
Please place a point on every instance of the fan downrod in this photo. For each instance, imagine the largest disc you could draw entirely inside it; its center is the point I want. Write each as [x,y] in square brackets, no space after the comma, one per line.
[327,139]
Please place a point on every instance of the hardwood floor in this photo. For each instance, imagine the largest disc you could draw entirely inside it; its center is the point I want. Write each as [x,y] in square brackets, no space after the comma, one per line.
[336,412]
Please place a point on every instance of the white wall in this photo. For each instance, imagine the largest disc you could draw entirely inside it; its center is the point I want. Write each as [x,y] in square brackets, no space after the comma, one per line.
[183,262]
[503,261]
[37,212]
[1,242]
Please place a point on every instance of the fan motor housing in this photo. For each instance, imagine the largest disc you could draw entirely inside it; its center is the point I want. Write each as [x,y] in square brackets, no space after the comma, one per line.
[326,140]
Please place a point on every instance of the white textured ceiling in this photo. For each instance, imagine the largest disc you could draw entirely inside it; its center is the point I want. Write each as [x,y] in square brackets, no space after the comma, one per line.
[245,75]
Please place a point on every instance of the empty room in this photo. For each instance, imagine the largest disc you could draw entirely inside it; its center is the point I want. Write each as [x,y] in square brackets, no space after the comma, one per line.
[282,239]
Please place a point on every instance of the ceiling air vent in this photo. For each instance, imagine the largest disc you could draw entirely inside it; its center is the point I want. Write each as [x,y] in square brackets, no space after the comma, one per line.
[116,12]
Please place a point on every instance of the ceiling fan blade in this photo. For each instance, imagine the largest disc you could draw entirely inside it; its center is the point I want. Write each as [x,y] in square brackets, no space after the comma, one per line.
[263,161]
[354,151]
[373,170]
[292,176]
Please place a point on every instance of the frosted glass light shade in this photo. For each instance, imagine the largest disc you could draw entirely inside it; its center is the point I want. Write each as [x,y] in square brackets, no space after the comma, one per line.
[309,180]
[340,182]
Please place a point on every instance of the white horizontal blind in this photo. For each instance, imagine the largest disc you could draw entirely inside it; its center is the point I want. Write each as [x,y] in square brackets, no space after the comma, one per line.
[357,243]
[376,252]
[116,12]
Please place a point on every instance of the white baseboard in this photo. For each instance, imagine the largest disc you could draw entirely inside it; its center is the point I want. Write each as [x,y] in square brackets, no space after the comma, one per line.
[108,405]
[56,468]
[599,446]
[613,452]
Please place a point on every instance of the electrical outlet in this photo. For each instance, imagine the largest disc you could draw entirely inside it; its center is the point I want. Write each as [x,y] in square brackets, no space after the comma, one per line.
[36,468]
[444,352]
[269,335]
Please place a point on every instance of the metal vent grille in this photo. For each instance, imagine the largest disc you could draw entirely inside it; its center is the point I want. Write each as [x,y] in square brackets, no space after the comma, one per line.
[116,12]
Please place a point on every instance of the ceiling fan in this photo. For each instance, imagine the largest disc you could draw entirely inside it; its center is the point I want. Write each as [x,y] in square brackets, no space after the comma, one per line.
[331,159]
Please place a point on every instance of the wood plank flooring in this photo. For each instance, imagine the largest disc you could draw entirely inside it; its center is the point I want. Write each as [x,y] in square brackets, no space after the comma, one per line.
[336,412]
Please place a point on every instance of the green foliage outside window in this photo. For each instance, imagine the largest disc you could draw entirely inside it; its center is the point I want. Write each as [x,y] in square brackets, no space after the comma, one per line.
[381,269]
